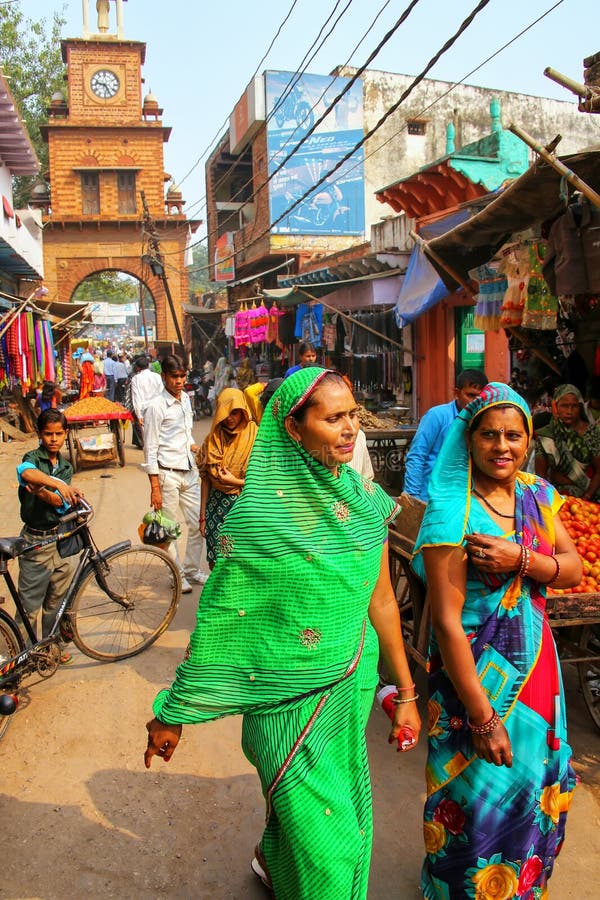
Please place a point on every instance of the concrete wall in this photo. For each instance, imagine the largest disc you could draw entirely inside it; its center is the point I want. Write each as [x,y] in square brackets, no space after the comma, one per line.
[467,106]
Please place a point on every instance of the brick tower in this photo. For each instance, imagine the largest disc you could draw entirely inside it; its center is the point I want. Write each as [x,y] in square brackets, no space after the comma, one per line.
[106,147]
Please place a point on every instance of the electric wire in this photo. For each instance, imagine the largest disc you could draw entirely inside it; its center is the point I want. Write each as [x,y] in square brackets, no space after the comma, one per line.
[387,37]
[390,111]
[377,149]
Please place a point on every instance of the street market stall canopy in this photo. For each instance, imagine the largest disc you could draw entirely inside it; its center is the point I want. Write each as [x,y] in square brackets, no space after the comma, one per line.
[536,196]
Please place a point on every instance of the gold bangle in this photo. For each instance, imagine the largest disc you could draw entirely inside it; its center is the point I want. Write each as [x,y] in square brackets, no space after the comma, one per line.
[399,700]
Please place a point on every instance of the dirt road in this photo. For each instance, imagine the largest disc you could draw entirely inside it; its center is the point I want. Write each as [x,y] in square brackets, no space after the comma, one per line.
[83,818]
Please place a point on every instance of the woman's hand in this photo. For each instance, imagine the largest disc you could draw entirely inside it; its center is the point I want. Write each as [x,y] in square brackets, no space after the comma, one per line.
[406,726]
[493,554]
[495,747]
[202,524]
[162,740]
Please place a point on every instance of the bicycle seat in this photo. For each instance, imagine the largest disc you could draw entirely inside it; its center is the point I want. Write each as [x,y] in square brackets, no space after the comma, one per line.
[12,546]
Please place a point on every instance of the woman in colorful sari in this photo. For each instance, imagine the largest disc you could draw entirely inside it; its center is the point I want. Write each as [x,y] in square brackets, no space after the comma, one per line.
[567,450]
[499,778]
[222,463]
[302,563]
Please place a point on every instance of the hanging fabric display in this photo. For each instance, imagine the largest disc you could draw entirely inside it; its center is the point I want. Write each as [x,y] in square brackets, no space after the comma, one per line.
[309,323]
[515,266]
[492,288]
[258,320]
[541,305]
[242,331]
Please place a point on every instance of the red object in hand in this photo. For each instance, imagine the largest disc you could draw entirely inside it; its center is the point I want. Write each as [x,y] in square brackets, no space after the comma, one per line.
[385,696]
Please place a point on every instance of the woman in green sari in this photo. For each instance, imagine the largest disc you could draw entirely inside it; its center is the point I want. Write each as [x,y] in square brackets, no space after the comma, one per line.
[302,565]
[567,450]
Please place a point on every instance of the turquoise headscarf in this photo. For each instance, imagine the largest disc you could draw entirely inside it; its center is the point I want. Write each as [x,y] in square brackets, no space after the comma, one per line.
[449,503]
[284,609]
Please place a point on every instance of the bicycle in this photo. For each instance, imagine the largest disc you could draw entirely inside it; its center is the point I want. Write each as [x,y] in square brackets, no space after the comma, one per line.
[119,601]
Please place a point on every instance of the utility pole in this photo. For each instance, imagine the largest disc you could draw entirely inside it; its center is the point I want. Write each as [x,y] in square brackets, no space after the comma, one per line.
[155,261]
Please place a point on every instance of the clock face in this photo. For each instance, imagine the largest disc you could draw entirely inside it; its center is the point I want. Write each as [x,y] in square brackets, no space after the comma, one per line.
[104,84]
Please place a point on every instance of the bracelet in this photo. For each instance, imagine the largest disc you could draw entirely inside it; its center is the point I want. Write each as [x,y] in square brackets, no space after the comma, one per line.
[486,727]
[399,700]
[404,690]
[556,575]
[203,518]
[525,561]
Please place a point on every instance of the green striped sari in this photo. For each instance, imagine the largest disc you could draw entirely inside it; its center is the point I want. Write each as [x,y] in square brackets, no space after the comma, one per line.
[279,637]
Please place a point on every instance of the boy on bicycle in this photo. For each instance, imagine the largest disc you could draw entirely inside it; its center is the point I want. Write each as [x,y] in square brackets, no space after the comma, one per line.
[45,493]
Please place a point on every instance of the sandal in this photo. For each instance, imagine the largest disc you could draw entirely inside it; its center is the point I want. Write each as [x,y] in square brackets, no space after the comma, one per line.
[65,658]
[259,868]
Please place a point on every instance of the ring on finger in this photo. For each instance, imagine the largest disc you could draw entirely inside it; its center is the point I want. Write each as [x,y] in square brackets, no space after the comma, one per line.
[481,553]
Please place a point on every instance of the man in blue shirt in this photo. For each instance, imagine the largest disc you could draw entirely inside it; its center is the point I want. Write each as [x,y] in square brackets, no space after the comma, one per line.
[431,432]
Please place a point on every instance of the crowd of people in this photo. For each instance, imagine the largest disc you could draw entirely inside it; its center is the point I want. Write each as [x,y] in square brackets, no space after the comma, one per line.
[299,605]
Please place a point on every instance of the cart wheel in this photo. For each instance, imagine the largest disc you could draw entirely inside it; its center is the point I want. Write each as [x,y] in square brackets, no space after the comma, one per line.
[120,441]
[72,450]
[410,595]
[589,672]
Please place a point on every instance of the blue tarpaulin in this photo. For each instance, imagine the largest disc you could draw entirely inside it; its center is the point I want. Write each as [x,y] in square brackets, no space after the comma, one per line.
[422,287]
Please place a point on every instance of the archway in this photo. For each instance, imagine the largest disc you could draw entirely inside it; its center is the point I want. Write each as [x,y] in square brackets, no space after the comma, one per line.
[123,310]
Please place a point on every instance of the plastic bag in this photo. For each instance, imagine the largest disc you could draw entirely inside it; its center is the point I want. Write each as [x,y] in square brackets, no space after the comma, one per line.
[157,529]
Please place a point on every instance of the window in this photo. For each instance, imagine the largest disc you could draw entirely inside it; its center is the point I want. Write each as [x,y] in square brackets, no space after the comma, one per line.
[126,189]
[416,126]
[90,194]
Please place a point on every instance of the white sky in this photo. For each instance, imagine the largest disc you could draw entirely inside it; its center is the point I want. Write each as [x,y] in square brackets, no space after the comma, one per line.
[201,54]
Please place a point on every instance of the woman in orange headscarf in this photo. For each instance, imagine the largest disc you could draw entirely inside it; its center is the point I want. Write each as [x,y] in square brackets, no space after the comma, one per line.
[222,463]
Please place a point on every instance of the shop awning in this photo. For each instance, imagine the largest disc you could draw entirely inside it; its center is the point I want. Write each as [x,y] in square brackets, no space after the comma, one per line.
[297,293]
[537,195]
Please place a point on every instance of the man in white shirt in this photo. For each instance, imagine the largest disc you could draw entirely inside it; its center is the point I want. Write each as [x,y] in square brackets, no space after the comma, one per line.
[145,385]
[169,453]
[120,378]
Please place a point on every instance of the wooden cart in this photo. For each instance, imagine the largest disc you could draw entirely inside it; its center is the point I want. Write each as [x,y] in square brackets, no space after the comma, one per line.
[574,618]
[113,422]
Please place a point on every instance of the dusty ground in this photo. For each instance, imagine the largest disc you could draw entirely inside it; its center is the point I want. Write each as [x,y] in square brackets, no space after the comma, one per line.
[82,817]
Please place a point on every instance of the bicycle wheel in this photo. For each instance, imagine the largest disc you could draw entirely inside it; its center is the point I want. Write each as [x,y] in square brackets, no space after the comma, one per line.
[147,582]
[11,642]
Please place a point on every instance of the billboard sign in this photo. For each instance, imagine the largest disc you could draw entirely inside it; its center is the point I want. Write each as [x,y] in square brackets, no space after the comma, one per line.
[293,105]
[224,257]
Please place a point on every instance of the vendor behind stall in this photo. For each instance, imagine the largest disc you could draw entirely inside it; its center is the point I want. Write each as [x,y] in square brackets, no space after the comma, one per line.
[567,450]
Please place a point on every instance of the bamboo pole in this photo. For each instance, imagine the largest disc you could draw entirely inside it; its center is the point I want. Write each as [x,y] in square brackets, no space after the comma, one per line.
[556,164]
[444,265]
[526,343]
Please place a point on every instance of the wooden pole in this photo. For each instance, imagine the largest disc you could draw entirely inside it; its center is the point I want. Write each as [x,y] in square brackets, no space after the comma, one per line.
[444,265]
[556,164]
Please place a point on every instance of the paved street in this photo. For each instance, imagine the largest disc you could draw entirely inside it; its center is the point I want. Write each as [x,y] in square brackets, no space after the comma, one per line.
[86,819]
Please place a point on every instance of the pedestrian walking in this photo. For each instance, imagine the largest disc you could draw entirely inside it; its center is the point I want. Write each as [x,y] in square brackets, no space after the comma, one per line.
[222,463]
[169,454]
[109,374]
[302,562]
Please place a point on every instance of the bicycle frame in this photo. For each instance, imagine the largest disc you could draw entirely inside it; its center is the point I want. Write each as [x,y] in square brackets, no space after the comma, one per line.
[89,558]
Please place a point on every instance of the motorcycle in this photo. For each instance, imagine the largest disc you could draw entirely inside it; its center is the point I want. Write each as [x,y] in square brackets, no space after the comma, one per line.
[198,390]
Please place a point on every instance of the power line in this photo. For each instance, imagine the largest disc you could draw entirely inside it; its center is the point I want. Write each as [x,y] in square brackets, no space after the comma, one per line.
[422,111]
[335,101]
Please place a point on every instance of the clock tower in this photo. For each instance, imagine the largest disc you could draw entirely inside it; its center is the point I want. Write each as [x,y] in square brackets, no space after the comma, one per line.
[105,148]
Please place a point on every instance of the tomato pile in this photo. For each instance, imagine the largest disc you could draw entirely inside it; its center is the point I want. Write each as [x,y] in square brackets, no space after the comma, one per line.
[582,521]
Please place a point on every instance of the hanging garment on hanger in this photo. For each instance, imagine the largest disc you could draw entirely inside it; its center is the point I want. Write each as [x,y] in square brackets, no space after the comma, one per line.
[541,306]
[492,289]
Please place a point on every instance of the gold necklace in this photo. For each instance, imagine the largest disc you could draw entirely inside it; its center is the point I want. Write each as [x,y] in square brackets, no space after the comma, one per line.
[490,506]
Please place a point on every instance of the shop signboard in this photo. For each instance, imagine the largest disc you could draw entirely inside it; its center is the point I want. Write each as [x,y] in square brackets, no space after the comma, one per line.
[293,105]
[224,257]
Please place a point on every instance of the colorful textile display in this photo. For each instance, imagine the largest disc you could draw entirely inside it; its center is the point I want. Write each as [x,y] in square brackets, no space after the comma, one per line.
[309,323]
[541,306]
[492,289]
[495,831]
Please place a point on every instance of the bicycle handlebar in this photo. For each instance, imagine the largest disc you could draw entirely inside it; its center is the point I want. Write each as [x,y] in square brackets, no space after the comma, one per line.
[82,509]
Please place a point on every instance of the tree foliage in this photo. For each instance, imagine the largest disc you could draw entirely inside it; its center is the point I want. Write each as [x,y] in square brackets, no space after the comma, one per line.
[108,287]
[199,272]
[30,55]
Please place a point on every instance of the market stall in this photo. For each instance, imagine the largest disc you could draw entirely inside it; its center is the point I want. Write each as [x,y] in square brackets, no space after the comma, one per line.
[107,442]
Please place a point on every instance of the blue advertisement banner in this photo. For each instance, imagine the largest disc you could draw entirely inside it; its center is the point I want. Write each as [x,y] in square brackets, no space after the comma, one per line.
[293,105]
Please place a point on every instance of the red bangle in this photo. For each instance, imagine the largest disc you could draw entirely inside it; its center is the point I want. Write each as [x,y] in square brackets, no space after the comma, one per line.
[486,727]
[556,575]
[405,690]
